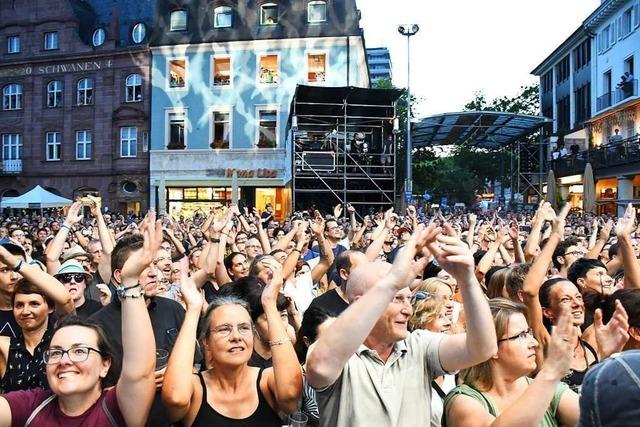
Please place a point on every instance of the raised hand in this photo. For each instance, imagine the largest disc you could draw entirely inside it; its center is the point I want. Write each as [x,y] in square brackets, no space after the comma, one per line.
[337,210]
[627,224]
[514,232]
[105,293]
[219,222]
[605,232]
[94,207]
[560,347]
[188,289]
[611,337]
[350,209]
[390,220]
[405,268]
[317,226]
[272,289]
[74,216]
[411,211]
[558,221]
[141,259]
[452,254]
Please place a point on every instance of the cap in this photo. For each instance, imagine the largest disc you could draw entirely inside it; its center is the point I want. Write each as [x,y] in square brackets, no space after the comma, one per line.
[72,266]
[74,252]
[610,394]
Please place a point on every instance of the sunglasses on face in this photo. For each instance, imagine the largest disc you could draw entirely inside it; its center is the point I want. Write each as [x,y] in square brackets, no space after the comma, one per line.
[77,277]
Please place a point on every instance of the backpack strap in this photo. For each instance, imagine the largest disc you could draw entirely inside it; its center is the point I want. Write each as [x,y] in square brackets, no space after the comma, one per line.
[106,411]
[38,409]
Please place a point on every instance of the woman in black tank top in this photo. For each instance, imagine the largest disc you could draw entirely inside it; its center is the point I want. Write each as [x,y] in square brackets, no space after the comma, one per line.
[231,393]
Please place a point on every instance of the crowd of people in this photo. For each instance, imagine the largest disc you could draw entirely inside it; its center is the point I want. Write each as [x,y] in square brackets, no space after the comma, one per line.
[234,318]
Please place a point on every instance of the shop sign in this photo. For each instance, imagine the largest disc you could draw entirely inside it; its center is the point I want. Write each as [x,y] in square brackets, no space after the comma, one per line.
[243,173]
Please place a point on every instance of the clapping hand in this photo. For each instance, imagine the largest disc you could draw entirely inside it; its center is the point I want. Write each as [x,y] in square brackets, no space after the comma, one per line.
[452,254]
[611,337]
[188,289]
[561,346]
[141,259]
[272,289]
[74,216]
[405,268]
[627,224]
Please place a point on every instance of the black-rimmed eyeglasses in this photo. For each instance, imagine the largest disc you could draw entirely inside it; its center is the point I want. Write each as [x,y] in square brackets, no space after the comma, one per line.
[76,354]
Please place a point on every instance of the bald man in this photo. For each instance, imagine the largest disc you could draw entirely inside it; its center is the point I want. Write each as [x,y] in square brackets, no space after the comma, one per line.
[366,366]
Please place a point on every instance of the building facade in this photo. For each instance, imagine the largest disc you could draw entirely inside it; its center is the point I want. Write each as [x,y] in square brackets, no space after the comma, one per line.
[75,113]
[611,129]
[223,77]
[379,61]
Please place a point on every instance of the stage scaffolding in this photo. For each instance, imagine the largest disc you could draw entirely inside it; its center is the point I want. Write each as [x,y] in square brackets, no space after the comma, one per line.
[326,125]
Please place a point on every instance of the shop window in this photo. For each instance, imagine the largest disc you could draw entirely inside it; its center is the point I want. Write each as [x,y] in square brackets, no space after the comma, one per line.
[178,20]
[223,17]
[222,71]
[190,193]
[54,94]
[267,128]
[317,11]
[177,73]
[176,131]
[269,72]
[205,193]
[316,67]
[221,129]
[269,14]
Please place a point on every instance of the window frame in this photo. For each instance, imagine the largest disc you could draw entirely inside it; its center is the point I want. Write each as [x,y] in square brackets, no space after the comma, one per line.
[213,71]
[60,91]
[78,89]
[126,88]
[326,66]
[186,18]
[98,30]
[316,3]
[216,12]
[167,130]
[54,36]
[17,96]
[129,141]
[259,57]
[224,109]
[11,37]
[168,74]
[141,28]
[16,145]
[259,109]
[56,145]
[86,144]
[261,11]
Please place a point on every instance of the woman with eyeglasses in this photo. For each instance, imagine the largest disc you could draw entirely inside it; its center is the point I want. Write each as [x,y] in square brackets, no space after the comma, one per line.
[230,392]
[430,313]
[80,364]
[500,392]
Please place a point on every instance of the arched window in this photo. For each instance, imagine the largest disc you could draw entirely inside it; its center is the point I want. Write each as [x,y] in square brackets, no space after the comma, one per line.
[139,32]
[269,14]
[99,36]
[12,97]
[85,92]
[223,17]
[178,20]
[54,94]
[317,11]
[133,88]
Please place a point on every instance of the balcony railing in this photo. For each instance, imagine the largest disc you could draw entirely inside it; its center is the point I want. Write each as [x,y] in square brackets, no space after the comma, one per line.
[612,154]
[627,90]
[12,166]
[603,101]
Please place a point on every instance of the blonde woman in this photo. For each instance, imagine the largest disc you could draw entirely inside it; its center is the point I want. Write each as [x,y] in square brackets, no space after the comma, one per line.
[453,309]
[430,313]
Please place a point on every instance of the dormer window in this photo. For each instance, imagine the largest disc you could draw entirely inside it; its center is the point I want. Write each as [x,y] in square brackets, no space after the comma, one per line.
[178,20]
[223,17]
[269,14]
[317,11]
[98,37]
[139,32]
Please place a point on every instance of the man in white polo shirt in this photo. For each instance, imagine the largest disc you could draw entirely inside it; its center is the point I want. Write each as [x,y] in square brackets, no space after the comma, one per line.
[367,369]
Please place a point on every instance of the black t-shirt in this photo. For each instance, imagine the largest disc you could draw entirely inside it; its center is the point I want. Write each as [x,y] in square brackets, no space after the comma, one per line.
[8,325]
[331,302]
[88,308]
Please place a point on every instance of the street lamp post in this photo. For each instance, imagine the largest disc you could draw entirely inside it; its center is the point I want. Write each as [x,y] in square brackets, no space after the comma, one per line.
[408,30]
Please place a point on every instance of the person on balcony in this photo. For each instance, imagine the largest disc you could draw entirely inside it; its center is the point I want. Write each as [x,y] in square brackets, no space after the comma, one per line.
[616,137]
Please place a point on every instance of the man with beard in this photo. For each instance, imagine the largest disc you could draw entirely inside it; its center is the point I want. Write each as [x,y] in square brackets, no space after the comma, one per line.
[75,278]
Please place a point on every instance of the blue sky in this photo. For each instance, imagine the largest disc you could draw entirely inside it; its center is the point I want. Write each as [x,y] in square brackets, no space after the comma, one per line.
[465,45]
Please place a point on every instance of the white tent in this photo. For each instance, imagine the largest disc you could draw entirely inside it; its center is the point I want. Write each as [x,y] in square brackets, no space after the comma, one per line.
[38,198]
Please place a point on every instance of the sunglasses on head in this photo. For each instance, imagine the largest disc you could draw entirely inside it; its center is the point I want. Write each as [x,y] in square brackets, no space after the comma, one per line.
[420,295]
[77,277]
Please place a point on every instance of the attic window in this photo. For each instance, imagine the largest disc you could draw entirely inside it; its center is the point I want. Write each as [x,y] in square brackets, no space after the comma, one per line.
[223,17]
[269,14]
[139,32]
[317,11]
[178,21]
[98,37]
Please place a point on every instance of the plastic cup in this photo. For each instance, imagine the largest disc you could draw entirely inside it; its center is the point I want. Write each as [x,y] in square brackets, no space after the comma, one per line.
[162,356]
[298,419]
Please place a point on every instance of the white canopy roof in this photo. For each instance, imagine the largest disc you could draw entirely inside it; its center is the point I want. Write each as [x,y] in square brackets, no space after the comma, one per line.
[37,198]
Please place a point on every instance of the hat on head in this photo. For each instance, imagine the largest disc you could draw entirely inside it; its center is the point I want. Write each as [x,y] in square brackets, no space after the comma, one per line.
[74,252]
[611,391]
[72,266]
